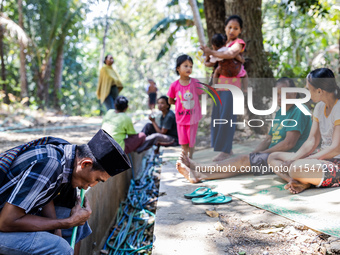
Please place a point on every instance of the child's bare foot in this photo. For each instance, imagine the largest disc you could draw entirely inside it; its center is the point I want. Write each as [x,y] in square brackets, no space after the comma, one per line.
[222,156]
[187,161]
[186,172]
[296,187]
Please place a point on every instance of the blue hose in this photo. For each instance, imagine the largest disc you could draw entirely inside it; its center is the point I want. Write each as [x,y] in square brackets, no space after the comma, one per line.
[129,235]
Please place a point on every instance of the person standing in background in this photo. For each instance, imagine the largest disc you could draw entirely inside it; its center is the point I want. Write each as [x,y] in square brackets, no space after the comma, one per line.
[109,84]
[152,92]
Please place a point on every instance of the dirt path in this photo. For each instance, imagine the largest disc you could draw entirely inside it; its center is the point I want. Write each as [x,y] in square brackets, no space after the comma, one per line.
[77,130]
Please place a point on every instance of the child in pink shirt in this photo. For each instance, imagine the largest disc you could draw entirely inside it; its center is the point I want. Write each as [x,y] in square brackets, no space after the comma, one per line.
[188,109]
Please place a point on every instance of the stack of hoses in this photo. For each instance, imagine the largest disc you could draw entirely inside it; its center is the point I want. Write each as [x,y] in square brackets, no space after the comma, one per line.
[133,230]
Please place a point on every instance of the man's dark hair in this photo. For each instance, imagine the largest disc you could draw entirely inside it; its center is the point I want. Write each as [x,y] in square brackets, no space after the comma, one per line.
[83,151]
[289,82]
[166,100]
[286,80]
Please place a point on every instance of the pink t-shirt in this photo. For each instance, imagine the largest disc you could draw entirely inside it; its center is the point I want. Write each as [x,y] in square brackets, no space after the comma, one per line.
[188,108]
[240,41]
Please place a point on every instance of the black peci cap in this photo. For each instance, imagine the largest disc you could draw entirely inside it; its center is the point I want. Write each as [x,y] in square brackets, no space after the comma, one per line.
[108,153]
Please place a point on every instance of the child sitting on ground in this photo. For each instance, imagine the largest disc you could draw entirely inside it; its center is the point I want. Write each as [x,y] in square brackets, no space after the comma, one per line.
[119,125]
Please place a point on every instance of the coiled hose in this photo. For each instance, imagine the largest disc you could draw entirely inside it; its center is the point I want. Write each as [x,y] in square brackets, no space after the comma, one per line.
[131,234]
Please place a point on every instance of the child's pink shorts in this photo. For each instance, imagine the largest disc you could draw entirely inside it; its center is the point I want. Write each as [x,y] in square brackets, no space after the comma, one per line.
[187,134]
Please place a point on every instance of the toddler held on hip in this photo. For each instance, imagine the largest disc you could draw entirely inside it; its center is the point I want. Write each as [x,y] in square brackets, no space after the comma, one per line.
[231,64]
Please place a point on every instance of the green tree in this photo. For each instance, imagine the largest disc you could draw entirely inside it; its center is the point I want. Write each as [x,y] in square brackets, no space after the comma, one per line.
[49,23]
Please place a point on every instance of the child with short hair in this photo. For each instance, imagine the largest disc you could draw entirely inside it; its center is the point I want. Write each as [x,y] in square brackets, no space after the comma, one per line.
[184,93]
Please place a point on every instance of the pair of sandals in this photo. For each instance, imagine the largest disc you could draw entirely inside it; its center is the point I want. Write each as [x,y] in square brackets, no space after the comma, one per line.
[206,196]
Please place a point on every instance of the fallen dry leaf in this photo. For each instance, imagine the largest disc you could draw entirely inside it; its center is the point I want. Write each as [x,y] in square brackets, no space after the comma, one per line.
[270,230]
[212,214]
[218,226]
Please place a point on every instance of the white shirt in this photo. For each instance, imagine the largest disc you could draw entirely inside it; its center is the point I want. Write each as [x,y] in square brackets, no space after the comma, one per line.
[327,123]
[215,59]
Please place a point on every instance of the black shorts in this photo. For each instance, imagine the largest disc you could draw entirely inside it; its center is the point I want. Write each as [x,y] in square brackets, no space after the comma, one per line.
[259,163]
[152,98]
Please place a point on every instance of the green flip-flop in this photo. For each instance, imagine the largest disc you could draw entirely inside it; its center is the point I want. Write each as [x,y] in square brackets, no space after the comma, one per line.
[200,192]
[211,200]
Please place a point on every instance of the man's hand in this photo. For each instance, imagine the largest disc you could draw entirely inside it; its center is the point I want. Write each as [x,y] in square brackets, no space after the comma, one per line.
[80,215]
[152,118]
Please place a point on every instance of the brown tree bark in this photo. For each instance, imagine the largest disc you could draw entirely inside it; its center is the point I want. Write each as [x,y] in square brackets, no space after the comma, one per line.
[215,14]
[46,80]
[257,66]
[58,74]
[43,82]
[3,68]
[23,77]
[251,14]
[2,58]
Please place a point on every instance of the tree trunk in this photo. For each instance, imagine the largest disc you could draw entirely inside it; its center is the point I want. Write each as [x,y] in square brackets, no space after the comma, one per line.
[58,74]
[47,77]
[23,79]
[256,62]
[2,58]
[105,35]
[198,22]
[3,68]
[214,11]
[256,65]
[40,88]
[43,83]
[250,12]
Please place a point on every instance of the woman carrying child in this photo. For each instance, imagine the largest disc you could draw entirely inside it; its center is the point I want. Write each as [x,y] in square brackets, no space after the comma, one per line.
[229,71]
[184,93]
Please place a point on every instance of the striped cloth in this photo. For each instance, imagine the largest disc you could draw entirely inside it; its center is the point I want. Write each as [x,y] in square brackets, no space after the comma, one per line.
[7,157]
[33,173]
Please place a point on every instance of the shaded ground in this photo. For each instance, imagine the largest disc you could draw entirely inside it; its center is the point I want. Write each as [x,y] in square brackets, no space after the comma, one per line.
[233,228]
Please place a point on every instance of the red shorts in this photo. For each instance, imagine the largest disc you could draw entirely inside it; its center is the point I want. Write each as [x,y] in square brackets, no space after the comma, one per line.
[187,134]
[331,173]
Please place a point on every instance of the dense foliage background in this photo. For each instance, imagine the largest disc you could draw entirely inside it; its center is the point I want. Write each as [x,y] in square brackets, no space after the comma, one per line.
[65,45]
